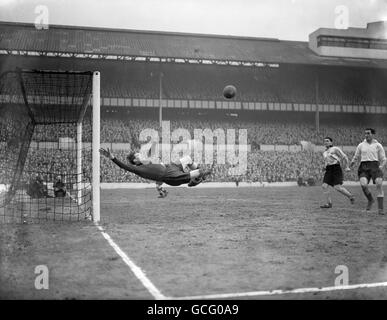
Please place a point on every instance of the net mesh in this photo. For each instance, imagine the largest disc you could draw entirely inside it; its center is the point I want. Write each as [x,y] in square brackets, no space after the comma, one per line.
[45,137]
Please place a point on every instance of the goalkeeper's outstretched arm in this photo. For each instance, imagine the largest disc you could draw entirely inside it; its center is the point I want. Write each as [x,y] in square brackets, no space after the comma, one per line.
[108,154]
[151,171]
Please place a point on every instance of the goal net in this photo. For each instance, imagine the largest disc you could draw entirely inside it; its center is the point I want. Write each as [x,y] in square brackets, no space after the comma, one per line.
[49,141]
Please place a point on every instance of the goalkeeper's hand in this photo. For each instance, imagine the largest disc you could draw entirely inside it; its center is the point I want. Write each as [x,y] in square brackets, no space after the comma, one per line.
[106,153]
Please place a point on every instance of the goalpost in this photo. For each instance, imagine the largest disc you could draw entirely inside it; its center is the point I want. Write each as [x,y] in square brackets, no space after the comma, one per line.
[95,147]
[49,145]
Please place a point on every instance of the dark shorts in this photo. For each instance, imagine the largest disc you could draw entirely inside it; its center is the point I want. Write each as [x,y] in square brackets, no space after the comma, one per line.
[369,170]
[60,193]
[175,176]
[333,175]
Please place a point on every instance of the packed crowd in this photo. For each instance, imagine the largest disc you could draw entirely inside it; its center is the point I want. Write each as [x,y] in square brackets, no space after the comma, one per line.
[262,166]
[258,132]
[47,162]
[279,166]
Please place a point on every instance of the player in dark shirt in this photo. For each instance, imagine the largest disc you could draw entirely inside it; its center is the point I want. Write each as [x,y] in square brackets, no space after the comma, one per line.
[37,188]
[171,174]
[59,187]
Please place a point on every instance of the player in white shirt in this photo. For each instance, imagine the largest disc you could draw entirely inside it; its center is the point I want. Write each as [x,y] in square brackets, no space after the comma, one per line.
[372,161]
[333,173]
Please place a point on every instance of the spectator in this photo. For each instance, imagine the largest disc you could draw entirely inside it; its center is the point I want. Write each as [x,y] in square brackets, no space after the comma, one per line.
[36,188]
[59,188]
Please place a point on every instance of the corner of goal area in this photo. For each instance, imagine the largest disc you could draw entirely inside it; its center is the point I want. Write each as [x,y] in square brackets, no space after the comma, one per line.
[24,209]
[51,129]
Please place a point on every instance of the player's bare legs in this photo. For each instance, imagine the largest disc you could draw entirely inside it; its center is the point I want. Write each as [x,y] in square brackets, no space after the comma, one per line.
[338,188]
[327,194]
[367,193]
[380,194]
[344,192]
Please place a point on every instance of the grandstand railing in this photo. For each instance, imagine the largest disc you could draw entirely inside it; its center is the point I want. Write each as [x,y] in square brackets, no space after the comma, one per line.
[234,105]
[241,105]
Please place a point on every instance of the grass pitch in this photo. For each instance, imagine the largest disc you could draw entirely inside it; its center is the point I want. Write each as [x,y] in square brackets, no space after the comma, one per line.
[199,242]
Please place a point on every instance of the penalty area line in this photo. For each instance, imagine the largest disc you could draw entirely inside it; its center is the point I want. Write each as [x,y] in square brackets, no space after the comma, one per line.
[140,275]
[281,292]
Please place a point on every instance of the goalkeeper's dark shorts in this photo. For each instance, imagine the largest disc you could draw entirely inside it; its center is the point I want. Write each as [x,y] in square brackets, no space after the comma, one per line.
[175,176]
[370,170]
[333,175]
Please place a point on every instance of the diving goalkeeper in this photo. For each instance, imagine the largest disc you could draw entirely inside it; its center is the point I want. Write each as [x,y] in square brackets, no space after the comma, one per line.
[172,174]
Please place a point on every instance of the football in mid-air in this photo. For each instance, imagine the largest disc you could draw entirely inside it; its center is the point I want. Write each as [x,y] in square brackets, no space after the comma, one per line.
[229,92]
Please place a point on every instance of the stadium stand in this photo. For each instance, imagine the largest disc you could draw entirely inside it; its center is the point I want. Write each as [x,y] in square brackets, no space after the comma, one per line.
[277,132]
[271,166]
[75,40]
[263,166]
[288,84]
[131,63]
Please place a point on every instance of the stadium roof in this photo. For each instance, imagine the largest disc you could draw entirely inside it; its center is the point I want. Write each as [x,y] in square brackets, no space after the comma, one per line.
[73,41]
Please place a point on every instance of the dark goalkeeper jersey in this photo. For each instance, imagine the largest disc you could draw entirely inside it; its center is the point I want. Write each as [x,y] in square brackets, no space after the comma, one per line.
[171,174]
[147,171]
